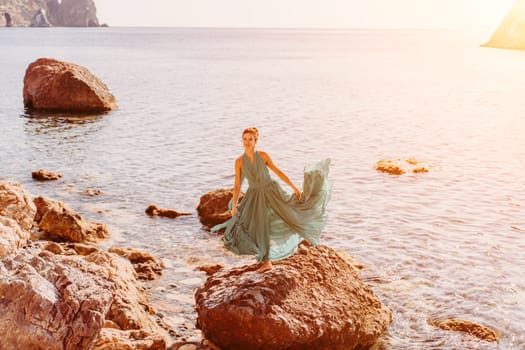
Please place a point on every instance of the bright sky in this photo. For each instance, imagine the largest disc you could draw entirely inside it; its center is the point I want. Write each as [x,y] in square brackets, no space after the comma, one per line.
[440,14]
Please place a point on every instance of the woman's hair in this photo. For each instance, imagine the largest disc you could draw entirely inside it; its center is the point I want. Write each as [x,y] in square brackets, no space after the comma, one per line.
[253,131]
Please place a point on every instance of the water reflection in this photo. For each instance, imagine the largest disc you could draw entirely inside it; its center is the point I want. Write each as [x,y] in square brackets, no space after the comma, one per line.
[38,122]
[59,129]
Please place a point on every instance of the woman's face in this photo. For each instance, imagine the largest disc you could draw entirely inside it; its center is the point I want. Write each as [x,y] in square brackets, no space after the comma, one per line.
[248,141]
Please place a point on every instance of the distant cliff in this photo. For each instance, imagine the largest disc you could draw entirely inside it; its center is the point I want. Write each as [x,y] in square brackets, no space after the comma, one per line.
[511,32]
[48,13]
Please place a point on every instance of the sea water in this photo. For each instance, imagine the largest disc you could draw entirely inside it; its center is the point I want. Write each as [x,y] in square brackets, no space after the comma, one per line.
[447,243]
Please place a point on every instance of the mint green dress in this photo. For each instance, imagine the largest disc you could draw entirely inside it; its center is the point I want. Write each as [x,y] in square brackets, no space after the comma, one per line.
[270,223]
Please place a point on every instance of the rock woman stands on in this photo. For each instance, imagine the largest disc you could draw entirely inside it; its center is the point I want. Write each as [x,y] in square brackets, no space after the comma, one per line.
[270,223]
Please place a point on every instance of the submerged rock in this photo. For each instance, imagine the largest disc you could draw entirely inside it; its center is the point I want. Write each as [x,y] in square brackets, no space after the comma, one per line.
[472,328]
[213,206]
[509,34]
[152,210]
[61,222]
[400,167]
[44,175]
[52,85]
[210,269]
[312,300]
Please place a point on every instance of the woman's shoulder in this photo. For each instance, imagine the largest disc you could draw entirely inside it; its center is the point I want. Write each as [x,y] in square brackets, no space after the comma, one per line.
[263,154]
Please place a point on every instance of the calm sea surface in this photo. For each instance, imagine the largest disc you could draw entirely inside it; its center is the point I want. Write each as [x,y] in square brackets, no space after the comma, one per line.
[446,243]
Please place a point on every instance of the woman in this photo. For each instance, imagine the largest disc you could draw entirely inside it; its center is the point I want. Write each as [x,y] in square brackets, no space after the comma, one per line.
[270,223]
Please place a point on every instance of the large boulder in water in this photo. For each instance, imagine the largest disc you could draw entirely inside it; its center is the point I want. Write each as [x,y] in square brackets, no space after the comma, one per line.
[52,85]
[312,300]
[510,33]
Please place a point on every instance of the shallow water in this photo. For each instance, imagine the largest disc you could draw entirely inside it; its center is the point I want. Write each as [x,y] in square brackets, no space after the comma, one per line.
[445,243]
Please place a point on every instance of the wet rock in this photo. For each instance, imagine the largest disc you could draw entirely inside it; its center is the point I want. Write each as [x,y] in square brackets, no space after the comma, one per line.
[44,175]
[213,206]
[152,210]
[210,269]
[69,248]
[52,85]
[147,266]
[62,223]
[400,167]
[390,167]
[92,192]
[472,328]
[308,301]
[48,299]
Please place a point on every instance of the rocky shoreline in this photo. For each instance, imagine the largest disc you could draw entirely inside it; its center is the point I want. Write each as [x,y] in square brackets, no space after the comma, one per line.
[58,286]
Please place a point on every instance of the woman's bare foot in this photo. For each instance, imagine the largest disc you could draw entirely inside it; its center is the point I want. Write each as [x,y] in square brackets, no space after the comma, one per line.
[266,266]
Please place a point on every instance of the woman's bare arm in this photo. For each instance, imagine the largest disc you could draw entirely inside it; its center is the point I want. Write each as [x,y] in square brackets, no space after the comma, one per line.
[236,185]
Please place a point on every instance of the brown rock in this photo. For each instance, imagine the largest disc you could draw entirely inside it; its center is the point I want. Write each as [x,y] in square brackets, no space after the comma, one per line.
[115,339]
[92,192]
[44,175]
[16,203]
[48,299]
[130,309]
[147,266]
[213,206]
[152,210]
[12,237]
[477,330]
[61,222]
[398,167]
[52,85]
[390,167]
[308,301]
[69,248]
[420,170]
[210,269]
[16,217]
